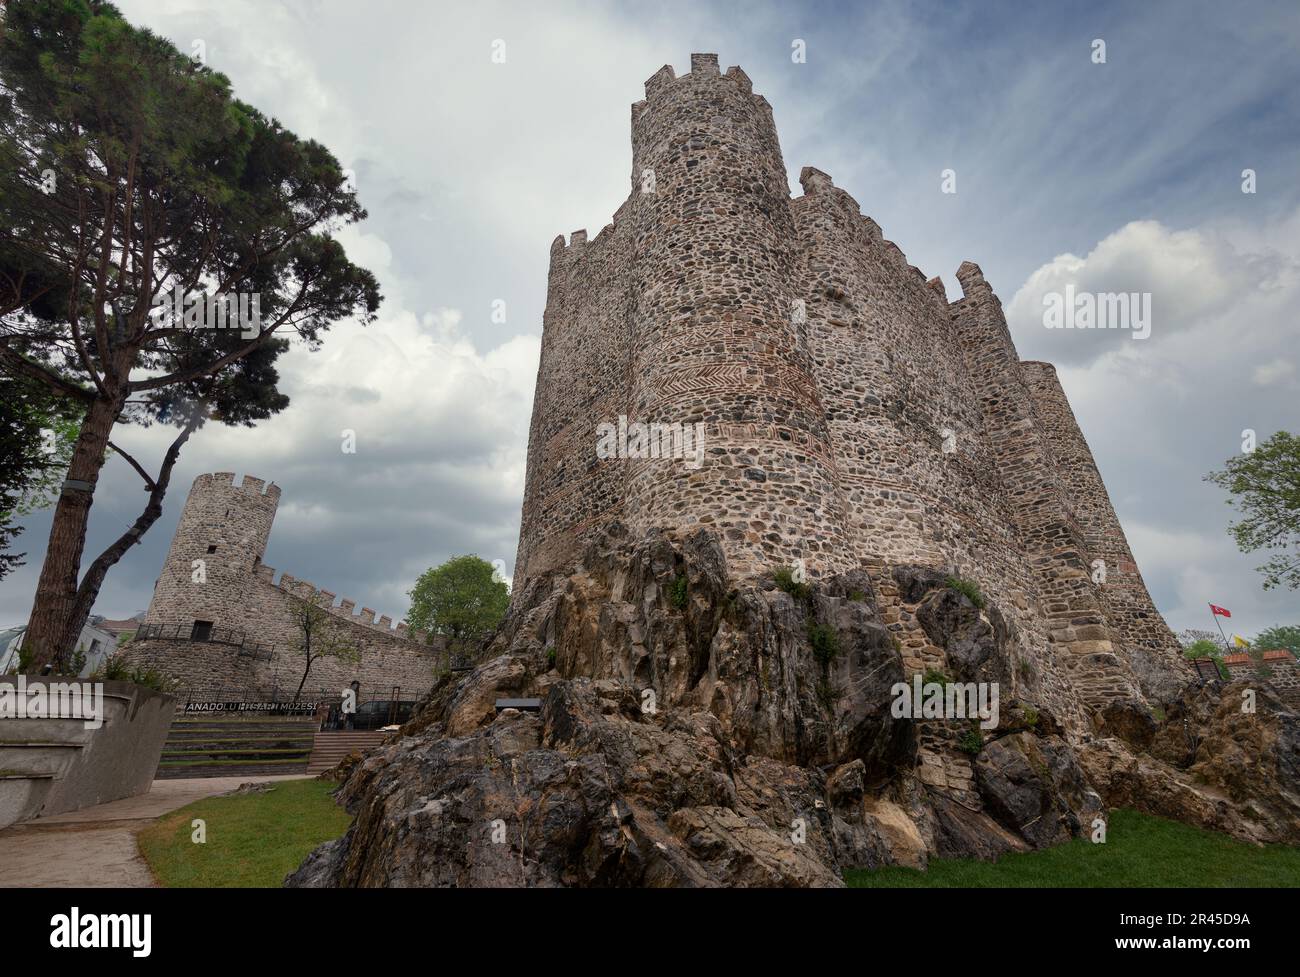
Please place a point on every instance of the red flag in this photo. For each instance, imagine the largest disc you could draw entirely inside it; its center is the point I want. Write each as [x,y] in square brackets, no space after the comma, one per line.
[1220,611]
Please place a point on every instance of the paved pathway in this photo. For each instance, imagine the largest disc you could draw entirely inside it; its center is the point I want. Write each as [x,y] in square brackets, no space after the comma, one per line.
[95,847]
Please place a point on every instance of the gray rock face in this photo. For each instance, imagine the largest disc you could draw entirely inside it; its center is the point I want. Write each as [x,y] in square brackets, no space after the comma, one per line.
[1034,787]
[1213,764]
[696,733]
[593,792]
[974,640]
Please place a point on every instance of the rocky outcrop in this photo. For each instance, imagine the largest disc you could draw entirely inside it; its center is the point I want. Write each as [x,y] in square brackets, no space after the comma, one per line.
[696,732]
[1032,785]
[1225,758]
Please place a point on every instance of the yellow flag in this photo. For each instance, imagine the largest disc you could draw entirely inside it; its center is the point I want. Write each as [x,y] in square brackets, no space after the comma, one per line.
[1240,642]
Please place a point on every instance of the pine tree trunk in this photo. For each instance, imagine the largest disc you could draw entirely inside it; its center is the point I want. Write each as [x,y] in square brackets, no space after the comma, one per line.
[51,633]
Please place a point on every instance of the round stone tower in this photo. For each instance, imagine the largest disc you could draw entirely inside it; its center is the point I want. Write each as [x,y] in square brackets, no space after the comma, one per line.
[219,542]
[718,338]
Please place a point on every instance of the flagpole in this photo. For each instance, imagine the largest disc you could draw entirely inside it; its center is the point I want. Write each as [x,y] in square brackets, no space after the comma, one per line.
[1227,647]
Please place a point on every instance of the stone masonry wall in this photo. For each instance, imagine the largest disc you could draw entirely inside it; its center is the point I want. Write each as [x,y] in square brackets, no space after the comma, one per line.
[854,418]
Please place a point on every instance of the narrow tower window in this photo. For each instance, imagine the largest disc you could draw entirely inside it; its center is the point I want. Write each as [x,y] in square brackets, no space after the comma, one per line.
[201,631]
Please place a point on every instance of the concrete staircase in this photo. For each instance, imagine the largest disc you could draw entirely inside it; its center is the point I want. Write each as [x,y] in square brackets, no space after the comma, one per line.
[333,745]
[236,746]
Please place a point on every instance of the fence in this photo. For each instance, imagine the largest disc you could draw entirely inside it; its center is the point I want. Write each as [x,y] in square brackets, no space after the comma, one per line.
[382,707]
[213,635]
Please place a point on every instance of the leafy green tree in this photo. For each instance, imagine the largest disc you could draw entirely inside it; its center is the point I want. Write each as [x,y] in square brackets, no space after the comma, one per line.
[37,432]
[462,600]
[1205,648]
[1265,487]
[137,195]
[1279,636]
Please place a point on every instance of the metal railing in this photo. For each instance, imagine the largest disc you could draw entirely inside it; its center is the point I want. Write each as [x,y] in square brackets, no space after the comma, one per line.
[215,635]
[382,707]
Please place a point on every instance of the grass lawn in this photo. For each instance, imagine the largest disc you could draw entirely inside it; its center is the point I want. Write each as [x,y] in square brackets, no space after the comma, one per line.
[253,840]
[1140,852]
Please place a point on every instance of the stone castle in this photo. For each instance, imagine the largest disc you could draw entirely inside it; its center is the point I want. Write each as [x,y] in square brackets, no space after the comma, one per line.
[692,705]
[219,618]
[853,418]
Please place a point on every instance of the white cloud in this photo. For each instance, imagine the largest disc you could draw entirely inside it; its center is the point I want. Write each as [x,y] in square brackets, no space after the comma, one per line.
[1195,278]
[1276,372]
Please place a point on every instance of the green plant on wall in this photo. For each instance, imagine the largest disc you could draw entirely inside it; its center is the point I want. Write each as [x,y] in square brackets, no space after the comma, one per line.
[971,742]
[677,592]
[968,588]
[786,579]
[825,642]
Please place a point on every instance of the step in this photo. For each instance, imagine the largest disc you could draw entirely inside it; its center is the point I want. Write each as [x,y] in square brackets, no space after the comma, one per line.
[331,747]
[199,738]
[188,771]
[32,757]
[242,723]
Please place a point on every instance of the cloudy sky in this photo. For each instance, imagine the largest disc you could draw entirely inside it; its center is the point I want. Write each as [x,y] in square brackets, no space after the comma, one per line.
[1125,175]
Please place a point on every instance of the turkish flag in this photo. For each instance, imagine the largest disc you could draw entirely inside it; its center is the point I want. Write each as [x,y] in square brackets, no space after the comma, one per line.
[1215,610]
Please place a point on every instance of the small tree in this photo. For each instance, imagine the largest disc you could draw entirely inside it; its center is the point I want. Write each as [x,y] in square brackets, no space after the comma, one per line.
[1205,648]
[462,601]
[1265,487]
[1279,636]
[318,636]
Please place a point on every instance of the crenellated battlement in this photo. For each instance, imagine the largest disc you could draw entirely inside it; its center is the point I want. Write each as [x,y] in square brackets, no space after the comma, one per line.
[344,607]
[704,67]
[223,481]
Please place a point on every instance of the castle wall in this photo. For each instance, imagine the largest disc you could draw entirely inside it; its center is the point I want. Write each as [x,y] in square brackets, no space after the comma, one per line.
[852,415]
[235,591]
[714,340]
[920,483]
[1042,506]
[232,519]
[707,249]
[586,321]
[1131,614]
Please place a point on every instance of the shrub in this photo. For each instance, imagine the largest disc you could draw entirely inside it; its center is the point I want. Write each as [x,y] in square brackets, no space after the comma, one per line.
[114,668]
[677,592]
[784,577]
[972,741]
[550,657]
[151,678]
[825,642]
[828,694]
[968,588]
[857,596]
[935,675]
[1029,714]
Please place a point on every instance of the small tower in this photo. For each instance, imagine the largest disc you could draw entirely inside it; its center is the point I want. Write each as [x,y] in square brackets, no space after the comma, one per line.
[212,564]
